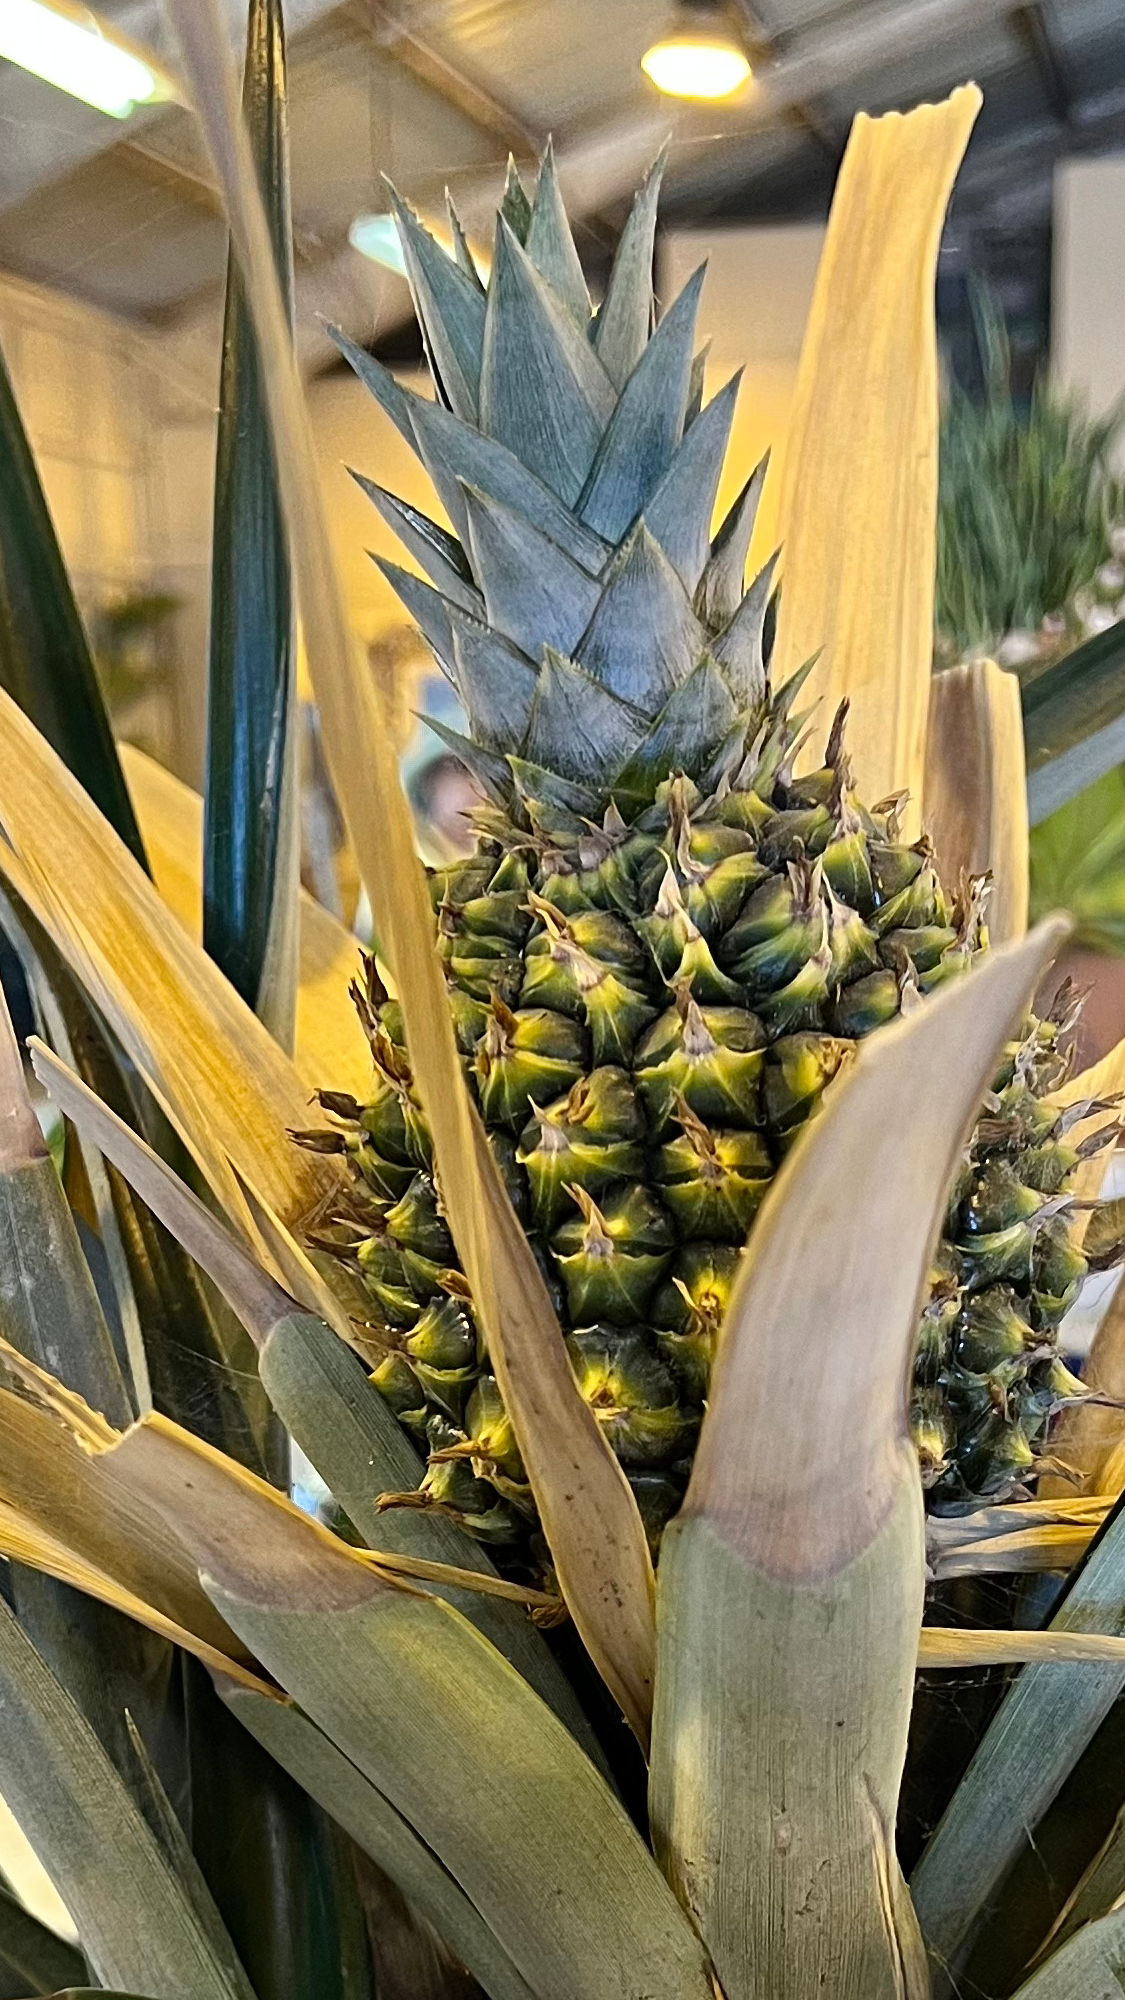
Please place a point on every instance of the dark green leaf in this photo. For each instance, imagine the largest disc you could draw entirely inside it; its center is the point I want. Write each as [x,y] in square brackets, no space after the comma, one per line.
[1074,721]
[625,318]
[250,827]
[45,659]
[33,1959]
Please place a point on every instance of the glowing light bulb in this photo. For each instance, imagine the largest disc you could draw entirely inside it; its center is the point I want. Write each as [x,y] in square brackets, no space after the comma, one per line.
[67,47]
[690,63]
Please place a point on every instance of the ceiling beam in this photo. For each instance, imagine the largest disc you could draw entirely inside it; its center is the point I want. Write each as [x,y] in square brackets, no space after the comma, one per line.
[449,81]
[765,47]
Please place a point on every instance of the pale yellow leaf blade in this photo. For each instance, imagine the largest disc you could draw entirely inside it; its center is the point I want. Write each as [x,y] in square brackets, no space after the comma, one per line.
[592,1521]
[974,802]
[228,1086]
[24,1541]
[940,1646]
[859,493]
[331,1049]
[790,1587]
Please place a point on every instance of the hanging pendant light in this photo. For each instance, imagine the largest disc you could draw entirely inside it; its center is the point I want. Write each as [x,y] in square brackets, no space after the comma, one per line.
[700,55]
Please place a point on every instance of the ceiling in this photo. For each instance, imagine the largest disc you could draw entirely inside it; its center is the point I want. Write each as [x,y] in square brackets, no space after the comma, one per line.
[438,91]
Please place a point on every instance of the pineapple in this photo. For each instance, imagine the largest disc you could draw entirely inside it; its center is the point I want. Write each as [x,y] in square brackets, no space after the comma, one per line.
[666,943]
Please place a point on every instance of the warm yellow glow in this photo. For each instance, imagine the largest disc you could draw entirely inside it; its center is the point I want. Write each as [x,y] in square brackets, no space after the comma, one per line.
[696,65]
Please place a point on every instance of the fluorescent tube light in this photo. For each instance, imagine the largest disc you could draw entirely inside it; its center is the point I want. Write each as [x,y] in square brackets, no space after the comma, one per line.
[68,47]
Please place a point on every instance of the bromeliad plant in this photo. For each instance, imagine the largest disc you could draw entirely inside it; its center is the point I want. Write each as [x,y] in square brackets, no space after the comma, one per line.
[607,1290]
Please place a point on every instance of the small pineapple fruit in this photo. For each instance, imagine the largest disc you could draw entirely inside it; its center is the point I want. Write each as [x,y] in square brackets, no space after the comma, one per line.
[665,943]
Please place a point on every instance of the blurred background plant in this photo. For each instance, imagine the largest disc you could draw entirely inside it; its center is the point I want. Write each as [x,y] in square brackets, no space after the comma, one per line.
[1031,514]
[1031,565]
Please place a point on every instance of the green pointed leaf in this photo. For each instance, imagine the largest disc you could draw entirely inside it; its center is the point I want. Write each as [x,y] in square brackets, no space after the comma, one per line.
[550,244]
[457,456]
[534,781]
[696,383]
[45,659]
[250,830]
[1041,1728]
[381,1831]
[646,424]
[543,393]
[430,611]
[625,319]
[679,513]
[722,583]
[461,250]
[138,1925]
[434,549]
[740,649]
[450,308]
[1074,722]
[515,206]
[534,592]
[496,683]
[33,1959]
[491,773]
[396,403]
[684,736]
[577,727]
[644,639]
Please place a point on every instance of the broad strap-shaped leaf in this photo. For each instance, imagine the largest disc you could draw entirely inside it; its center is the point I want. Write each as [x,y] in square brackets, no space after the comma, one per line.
[534,592]
[45,658]
[1041,1728]
[679,512]
[543,392]
[571,1893]
[381,1831]
[437,551]
[624,319]
[590,1517]
[1087,1967]
[644,639]
[776,1605]
[576,725]
[859,493]
[139,1925]
[550,244]
[975,798]
[721,585]
[1074,722]
[451,308]
[646,424]
[251,821]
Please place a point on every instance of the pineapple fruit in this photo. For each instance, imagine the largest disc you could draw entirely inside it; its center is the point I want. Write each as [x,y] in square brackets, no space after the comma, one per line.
[666,943]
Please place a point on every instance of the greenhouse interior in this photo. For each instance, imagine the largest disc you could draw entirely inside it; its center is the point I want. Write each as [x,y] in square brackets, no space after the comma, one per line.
[562,999]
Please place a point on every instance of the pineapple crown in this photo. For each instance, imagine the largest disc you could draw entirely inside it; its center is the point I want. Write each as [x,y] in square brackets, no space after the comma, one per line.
[595,634]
